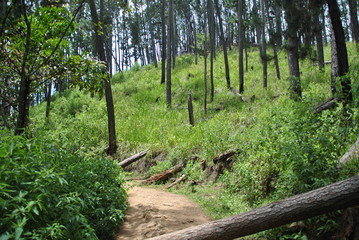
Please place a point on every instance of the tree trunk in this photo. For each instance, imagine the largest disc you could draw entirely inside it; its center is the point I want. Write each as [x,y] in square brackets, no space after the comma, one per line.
[274,39]
[169,53]
[327,199]
[354,25]
[163,52]
[317,9]
[343,64]
[165,174]
[48,99]
[224,45]
[190,109]
[240,46]
[133,158]
[212,40]
[291,16]
[100,47]
[334,64]
[23,98]
[263,45]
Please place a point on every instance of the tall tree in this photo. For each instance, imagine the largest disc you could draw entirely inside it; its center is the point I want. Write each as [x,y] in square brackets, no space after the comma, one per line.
[224,44]
[342,54]
[169,54]
[263,44]
[212,40]
[354,25]
[292,16]
[100,48]
[240,46]
[163,43]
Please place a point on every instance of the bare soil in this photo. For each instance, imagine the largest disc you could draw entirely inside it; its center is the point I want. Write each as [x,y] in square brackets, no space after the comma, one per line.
[153,212]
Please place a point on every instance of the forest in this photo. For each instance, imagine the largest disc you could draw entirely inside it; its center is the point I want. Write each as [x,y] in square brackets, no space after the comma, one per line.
[240,106]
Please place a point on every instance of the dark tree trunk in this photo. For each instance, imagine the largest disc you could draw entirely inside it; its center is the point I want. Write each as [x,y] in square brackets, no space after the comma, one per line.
[169,53]
[343,65]
[212,40]
[205,55]
[163,52]
[327,199]
[23,98]
[23,106]
[224,45]
[190,109]
[240,46]
[292,18]
[48,99]
[100,47]
[319,40]
[263,45]
[274,39]
[354,25]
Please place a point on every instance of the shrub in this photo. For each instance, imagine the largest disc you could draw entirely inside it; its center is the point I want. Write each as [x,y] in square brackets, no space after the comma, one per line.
[49,193]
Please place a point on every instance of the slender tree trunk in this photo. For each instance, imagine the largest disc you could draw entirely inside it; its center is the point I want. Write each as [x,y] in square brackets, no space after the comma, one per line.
[224,45]
[169,53]
[319,40]
[205,55]
[23,100]
[317,8]
[334,64]
[263,45]
[163,52]
[274,39]
[354,25]
[212,43]
[343,64]
[174,36]
[240,46]
[190,109]
[48,99]
[195,42]
[100,47]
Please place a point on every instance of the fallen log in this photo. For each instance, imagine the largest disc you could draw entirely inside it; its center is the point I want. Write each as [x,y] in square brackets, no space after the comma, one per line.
[165,174]
[133,158]
[352,153]
[325,105]
[333,197]
[177,181]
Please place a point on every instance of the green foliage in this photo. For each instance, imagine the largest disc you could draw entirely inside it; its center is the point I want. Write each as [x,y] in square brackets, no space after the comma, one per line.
[50,193]
[283,148]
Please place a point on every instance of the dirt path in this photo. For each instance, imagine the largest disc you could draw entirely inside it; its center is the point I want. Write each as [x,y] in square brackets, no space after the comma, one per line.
[153,212]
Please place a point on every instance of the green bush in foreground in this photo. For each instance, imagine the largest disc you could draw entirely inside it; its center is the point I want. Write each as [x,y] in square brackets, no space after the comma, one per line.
[48,193]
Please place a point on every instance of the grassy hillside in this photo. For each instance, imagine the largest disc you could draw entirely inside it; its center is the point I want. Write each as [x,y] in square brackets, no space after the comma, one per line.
[282,148]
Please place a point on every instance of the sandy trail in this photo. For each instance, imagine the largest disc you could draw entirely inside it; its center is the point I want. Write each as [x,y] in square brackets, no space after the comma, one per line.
[152,213]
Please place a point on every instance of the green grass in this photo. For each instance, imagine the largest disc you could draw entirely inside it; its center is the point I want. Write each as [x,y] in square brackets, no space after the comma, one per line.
[283,148]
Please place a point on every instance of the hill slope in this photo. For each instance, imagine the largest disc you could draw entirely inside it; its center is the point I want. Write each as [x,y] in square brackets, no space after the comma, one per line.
[281,147]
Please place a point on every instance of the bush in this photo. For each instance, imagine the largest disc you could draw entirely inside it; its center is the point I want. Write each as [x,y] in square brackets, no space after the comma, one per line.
[48,193]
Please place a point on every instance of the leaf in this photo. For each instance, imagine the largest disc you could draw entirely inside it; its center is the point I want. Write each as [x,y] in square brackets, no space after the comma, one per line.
[4,236]
[18,232]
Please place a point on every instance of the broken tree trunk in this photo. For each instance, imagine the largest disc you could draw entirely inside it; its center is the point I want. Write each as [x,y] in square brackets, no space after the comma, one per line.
[325,105]
[352,153]
[165,174]
[177,181]
[133,158]
[333,197]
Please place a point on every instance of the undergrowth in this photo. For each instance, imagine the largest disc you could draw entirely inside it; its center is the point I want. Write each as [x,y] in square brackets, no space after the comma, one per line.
[51,193]
[283,148]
